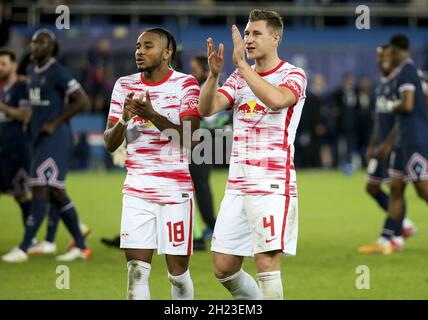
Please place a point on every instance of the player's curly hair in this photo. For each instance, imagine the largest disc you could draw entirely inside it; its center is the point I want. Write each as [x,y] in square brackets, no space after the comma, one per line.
[171,43]
[272,18]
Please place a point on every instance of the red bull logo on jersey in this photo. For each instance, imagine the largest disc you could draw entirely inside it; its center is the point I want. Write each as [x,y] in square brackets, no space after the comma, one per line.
[143,121]
[252,107]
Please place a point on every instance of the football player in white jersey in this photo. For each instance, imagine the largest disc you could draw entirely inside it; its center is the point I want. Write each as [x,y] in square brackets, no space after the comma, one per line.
[158,205]
[258,215]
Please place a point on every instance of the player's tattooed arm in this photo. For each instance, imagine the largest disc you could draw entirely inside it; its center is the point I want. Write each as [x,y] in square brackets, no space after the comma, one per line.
[274,97]
[210,101]
[78,101]
[143,107]
[114,135]
[18,114]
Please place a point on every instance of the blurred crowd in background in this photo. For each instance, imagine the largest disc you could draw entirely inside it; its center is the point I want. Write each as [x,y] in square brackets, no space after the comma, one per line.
[335,126]
[336,121]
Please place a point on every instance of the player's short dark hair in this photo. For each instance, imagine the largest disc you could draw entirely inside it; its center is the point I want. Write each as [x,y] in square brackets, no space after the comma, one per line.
[202,61]
[171,43]
[8,52]
[52,36]
[400,41]
[46,32]
[272,18]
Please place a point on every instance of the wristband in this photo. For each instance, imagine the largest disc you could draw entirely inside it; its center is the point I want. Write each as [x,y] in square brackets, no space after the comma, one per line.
[123,122]
[391,106]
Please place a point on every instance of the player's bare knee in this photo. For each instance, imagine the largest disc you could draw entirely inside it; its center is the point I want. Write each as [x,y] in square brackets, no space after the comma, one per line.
[422,192]
[268,261]
[372,189]
[177,265]
[223,270]
[396,191]
[144,255]
[57,195]
[221,273]
[225,265]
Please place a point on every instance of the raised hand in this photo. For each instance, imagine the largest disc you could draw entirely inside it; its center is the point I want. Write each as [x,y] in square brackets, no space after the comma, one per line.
[142,106]
[49,127]
[215,59]
[126,114]
[238,47]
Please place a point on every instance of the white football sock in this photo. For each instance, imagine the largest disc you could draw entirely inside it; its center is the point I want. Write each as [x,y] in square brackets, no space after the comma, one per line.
[383,241]
[138,280]
[182,286]
[271,285]
[407,223]
[398,240]
[242,286]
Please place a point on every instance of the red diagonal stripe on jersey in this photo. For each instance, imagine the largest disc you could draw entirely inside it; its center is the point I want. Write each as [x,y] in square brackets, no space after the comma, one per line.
[287,123]
[189,83]
[300,74]
[179,176]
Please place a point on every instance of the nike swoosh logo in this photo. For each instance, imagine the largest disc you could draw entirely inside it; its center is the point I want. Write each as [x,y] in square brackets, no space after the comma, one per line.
[270,240]
[239,87]
[177,244]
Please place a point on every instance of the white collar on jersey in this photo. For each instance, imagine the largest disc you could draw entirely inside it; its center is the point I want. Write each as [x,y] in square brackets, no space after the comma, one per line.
[45,67]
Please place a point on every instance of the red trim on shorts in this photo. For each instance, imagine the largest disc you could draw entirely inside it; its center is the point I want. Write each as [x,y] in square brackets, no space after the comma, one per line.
[287,173]
[287,197]
[156,83]
[189,247]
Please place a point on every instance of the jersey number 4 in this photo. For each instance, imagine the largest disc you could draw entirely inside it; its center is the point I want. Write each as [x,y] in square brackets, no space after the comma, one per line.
[269,224]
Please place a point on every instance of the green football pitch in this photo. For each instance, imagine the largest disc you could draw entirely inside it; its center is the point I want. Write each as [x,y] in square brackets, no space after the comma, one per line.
[335,218]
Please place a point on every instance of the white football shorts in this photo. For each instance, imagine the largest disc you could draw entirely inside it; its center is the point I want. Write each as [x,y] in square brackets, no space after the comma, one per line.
[250,224]
[149,225]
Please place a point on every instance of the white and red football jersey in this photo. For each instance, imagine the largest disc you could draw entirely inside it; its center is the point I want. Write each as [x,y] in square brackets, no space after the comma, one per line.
[263,151]
[157,168]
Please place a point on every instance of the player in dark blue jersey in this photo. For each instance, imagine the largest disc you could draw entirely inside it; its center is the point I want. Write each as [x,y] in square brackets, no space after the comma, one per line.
[409,159]
[379,150]
[50,87]
[14,142]
[15,150]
